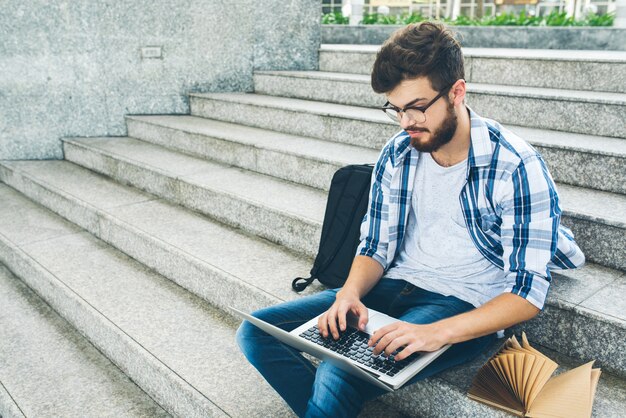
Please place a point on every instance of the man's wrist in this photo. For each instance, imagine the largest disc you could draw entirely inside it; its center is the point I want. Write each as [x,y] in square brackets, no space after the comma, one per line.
[348,292]
[443,332]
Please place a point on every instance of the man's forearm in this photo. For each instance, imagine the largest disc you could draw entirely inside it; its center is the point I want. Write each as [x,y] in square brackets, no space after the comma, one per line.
[499,313]
[364,274]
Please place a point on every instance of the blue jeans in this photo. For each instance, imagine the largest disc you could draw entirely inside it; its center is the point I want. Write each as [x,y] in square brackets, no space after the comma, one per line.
[329,391]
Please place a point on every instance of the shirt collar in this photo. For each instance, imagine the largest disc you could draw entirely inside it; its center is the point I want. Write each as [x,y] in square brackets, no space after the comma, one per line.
[480,143]
[401,147]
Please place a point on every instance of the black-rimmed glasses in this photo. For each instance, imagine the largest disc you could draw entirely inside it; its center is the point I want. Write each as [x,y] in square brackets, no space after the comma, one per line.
[415,113]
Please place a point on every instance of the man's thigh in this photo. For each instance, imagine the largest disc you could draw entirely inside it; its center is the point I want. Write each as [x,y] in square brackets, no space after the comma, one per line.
[419,306]
[383,295]
[442,307]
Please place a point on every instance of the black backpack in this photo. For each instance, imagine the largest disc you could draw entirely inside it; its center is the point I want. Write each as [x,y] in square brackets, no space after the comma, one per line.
[345,209]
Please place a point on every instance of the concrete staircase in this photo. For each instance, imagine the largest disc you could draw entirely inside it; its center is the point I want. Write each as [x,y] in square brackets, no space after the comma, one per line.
[140,243]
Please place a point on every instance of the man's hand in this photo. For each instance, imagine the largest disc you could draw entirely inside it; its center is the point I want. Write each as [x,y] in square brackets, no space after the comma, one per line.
[345,302]
[364,274]
[403,334]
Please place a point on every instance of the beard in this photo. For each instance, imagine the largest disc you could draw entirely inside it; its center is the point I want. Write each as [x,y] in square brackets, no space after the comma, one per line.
[441,136]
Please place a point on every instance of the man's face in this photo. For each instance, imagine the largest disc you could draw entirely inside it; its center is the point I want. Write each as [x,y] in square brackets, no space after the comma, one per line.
[441,118]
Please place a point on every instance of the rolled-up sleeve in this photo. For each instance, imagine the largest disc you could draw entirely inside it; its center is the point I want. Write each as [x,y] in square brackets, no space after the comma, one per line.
[530,223]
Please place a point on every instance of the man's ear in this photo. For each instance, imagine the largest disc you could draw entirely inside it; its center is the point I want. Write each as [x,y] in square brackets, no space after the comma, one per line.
[457,92]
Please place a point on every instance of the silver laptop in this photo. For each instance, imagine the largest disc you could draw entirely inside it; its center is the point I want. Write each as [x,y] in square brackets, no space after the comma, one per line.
[350,352]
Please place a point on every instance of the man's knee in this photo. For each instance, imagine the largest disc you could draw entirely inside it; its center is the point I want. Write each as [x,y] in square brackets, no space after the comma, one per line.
[245,336]
[249,336]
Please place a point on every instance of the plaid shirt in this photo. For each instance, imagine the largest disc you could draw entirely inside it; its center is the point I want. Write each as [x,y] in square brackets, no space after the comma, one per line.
[510,204]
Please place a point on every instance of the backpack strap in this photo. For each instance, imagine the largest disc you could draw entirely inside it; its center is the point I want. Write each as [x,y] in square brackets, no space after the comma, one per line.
[299,287]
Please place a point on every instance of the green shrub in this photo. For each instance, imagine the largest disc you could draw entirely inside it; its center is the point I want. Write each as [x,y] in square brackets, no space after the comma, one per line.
[336,18]
[403,19]
[554,18]
[559,19]
[593,19]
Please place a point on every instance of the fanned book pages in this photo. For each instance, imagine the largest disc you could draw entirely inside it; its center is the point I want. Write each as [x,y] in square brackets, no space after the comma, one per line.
[517,379]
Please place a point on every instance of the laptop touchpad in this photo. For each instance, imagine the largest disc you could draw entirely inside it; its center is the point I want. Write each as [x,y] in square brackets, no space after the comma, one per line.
[375,321]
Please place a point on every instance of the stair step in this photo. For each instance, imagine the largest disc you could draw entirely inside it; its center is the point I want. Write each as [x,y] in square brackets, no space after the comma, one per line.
[291,214]
[602,71]
[604,405]
[280,211]
[563,110]
[201,255]
[580,160]
[341,88]
[352,125]
[172,344]
[49,369]
[167,354]
[307,161]
[588,161]
[596,218]
[364,127]
[187,246]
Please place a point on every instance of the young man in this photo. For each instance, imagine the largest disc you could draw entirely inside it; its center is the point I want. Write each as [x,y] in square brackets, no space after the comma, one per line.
[462,228]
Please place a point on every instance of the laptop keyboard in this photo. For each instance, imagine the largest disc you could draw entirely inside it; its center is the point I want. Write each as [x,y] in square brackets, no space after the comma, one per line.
[352,344]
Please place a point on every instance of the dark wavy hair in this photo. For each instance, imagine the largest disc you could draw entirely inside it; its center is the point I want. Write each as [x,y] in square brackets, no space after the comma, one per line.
[426,49]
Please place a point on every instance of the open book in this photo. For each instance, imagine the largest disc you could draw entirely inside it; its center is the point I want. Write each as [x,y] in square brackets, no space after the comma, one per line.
[517,379]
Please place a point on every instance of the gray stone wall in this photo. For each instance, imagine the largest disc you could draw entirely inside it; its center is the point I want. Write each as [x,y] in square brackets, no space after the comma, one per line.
[76,67]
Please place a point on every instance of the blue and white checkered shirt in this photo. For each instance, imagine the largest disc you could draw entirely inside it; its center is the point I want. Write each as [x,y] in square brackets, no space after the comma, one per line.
[510,204]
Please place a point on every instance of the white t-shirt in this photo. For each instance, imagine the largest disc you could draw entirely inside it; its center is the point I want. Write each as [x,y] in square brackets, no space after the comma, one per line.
[437,253]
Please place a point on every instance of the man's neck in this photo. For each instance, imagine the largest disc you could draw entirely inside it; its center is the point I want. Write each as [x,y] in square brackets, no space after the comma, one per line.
[457,149]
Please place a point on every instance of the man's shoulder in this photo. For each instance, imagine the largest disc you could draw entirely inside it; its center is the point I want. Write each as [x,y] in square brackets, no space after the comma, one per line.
[507,146]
